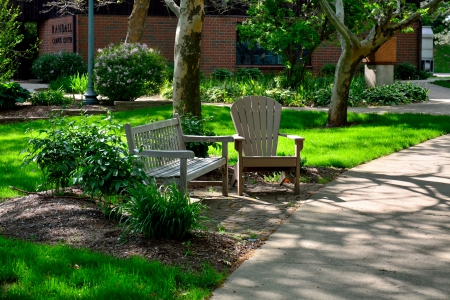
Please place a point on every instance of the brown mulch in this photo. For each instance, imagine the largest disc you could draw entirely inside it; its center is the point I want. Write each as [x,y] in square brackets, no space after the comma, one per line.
[80,223]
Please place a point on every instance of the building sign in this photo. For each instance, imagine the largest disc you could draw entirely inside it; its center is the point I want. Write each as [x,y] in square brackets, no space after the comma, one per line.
[59,29]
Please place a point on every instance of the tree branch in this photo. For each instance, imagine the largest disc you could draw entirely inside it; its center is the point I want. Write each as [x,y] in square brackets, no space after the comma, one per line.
[346,34]
[173,7]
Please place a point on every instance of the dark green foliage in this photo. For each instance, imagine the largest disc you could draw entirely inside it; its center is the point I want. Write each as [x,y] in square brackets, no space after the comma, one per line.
[159,212]
[397,93]
[193,125]
[93,155]
[10,93]
[328,70]
[49,67]
[407,71]
[221,74]
[50,97]
[252,73]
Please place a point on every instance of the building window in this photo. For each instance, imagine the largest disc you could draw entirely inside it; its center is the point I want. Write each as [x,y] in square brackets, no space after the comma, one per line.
[255,55]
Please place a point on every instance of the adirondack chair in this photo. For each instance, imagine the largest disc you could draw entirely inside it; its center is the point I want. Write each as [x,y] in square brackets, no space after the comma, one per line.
[257,123]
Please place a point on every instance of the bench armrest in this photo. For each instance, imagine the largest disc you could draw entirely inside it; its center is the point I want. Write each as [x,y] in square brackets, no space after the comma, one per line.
[165,153]
[211,139]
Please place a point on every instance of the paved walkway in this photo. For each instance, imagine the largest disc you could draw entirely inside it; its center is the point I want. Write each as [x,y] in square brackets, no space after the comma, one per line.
[380,231]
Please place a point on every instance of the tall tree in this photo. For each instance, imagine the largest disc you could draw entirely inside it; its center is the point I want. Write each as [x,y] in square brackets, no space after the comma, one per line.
[292,28]
[386,17]
[187,50]
[136,21]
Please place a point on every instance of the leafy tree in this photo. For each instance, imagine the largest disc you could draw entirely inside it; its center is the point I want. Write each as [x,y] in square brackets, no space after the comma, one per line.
[292,28]
[386,18]
[10,38]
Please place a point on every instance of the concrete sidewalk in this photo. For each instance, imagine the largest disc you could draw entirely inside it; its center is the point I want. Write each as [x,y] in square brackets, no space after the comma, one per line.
[380,231]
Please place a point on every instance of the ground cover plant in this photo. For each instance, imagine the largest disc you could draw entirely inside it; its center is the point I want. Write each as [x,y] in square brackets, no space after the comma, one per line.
[223,86]
[371,137]
[34,271]
[49,67]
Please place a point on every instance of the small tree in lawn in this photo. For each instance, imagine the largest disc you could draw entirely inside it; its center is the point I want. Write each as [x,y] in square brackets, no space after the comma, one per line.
[287,27]
[386,18]
[10,37]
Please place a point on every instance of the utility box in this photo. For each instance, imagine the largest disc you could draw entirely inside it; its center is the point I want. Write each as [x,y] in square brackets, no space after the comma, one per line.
[427,49]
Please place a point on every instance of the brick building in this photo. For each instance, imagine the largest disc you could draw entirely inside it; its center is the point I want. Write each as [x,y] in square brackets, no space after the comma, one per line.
[220,45]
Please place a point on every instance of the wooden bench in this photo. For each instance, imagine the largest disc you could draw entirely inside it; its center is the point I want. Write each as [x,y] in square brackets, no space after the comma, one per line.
[163,149]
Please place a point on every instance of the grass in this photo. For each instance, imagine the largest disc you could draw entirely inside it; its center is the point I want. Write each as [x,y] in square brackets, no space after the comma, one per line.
[442,58]
[444,83]
[372,136]
[33,271]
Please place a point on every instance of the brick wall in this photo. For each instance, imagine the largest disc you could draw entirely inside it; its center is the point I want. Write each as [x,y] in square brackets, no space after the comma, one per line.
[56,35]
[407,50]
[218,40]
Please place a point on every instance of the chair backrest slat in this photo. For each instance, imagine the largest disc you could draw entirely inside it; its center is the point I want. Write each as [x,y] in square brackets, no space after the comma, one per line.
[257,119]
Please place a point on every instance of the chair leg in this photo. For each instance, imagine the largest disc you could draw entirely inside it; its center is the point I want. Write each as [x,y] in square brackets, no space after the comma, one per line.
[297,181]
[240,180]
[225,180]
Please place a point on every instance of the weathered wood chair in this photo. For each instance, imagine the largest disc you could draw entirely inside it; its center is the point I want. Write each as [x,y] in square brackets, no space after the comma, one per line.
[162,146]
[257,123]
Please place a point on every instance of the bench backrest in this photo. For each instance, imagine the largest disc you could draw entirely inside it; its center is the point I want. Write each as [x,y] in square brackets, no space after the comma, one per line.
[161,135]
[257,119]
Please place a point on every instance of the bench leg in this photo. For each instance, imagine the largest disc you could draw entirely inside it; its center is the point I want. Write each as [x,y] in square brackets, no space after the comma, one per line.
[225,180]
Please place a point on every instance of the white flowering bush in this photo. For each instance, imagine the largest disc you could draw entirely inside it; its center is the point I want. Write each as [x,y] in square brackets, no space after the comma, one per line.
[127,71]
[50,67]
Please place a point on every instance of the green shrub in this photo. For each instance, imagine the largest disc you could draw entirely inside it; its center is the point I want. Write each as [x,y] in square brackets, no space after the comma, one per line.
[285,96]
[328,70]
[322,97]
[92,155]
[128,71]
[214,94]
[159,213]
[221,74]
[10,93]
[193,125]
[407,71]
[252,73]
[49,67]
[50,97]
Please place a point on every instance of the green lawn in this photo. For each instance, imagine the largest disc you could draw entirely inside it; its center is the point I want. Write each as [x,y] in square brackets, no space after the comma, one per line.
[33,271]
[442,58]
[444,83]
[372,136]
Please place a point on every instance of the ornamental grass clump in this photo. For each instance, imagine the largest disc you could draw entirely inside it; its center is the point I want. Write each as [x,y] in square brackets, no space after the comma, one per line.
[128,71]
[159,212]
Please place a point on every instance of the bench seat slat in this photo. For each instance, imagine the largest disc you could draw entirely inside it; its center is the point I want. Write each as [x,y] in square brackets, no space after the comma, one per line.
[194,167]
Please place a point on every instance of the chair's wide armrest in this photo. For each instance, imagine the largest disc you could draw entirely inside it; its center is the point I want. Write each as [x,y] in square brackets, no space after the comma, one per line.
[292,137]
[211,139]
[238,138]
[166,153]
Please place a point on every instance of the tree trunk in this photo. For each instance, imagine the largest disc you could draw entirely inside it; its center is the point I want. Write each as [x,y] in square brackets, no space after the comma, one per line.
[345,70]
[186,77]
[136,21]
